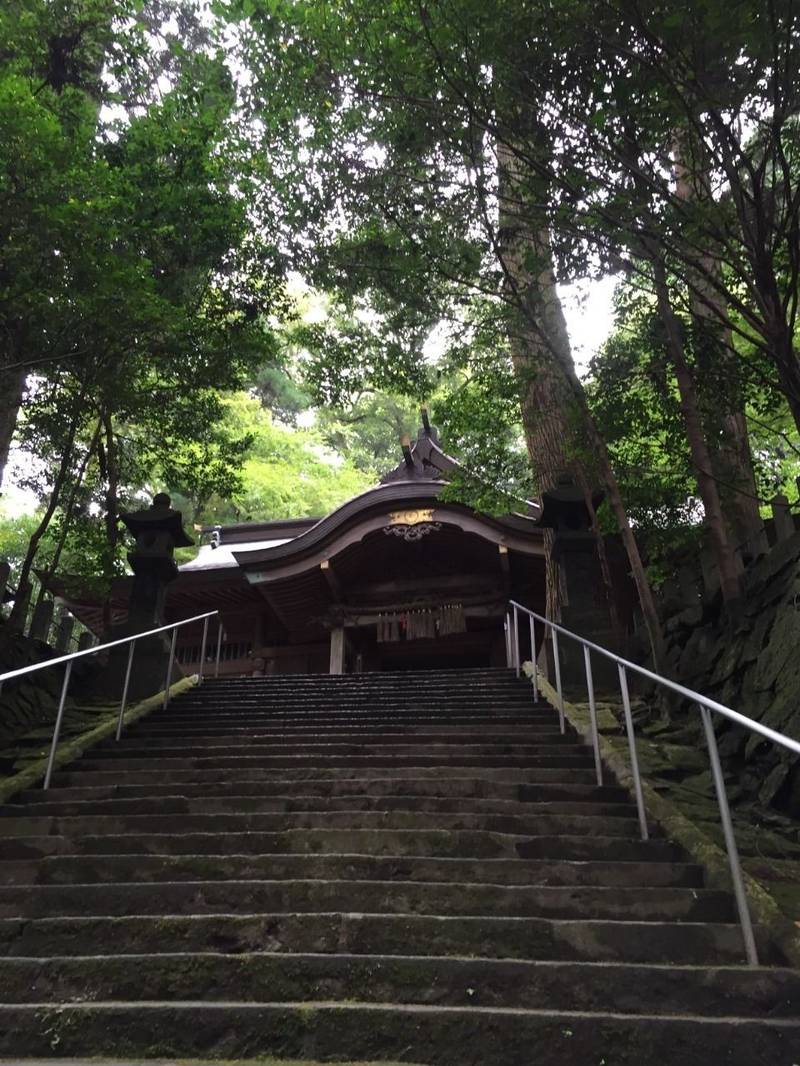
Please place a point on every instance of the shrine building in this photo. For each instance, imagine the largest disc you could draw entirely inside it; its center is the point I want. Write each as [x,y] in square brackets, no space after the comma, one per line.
[395,578]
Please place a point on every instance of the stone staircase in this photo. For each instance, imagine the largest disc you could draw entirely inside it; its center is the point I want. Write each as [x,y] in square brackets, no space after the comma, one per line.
[413,867]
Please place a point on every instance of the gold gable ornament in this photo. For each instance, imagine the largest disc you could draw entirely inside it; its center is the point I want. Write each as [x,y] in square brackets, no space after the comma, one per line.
[411,525]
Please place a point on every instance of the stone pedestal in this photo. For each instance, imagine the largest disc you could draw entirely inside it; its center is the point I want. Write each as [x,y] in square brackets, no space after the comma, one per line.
[41,621]
[64,635]
[584,609]
[585,612]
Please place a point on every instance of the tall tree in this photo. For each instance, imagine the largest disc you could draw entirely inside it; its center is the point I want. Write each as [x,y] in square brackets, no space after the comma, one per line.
[432,203]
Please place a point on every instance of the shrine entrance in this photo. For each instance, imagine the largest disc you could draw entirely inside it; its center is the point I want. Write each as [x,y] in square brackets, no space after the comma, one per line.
[481,644]
[412,589]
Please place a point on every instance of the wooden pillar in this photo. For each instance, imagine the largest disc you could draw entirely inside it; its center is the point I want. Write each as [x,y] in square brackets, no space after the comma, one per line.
[337,650]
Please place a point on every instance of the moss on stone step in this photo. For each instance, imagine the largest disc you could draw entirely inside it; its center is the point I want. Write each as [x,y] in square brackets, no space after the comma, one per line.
[677,823]
[70,750]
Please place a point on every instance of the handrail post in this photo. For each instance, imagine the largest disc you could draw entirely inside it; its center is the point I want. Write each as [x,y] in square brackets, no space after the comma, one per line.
[533,659]
[637,781]
[169,668]
[507,628]
[219,647]
[559,690]
[516,641]
[57,730]
[598,765]
[203,648]
[739,891]
[124,699]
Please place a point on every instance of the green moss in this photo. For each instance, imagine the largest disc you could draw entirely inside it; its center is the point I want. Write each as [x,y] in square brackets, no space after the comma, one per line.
[70,750]
[764,908]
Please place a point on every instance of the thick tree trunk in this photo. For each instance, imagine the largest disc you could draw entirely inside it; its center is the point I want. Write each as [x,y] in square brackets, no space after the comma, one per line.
[555,412]
[727,563]
[723,411]
[725,421]
[539,342]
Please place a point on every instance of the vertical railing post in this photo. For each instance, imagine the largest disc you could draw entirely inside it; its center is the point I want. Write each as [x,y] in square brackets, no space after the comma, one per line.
[219,646]
[124,699]
[559,690]
[57,730]
[169,668]
[507,627]
[598,765]
[739,892]
[535,677]
[516,641]
[203,649]
[637,781]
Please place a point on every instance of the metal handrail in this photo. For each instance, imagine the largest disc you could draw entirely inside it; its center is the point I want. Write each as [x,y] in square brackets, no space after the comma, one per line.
[70,659]
[705,705]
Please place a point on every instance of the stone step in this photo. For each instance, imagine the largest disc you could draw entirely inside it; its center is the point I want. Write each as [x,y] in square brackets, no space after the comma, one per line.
[552,746]
[260,976]
[484,758]
[461,844]
[291,804]
[373,897]
[449,787]
[105,869]
[442,775]
[247,740]
[416,1033]
[420,683]
[361,933]
[485,703]
[337,719]
[411,694]
[239,822]
[145,732]
[410,867]
[350,716]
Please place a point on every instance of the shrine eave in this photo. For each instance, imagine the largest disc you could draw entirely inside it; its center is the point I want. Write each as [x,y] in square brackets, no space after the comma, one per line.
[372,511]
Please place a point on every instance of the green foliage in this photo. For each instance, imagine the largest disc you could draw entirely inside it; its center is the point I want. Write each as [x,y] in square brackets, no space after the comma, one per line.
[369,430]
[15,533]
[635,401]
[286,473]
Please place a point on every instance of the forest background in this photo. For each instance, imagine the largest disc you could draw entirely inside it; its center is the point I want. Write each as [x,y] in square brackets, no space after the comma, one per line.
[241,242]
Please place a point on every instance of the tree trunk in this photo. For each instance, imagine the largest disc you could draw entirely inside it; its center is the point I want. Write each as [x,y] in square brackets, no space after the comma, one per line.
[726,422]
[555,411]
[727,563]
[23,584]
[784,355]
[68,508]
[638,573]
[538,342]
[108,455]
[723,412]
[12,389]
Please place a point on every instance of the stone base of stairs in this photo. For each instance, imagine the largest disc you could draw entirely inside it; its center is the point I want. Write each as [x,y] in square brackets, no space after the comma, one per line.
[415,869]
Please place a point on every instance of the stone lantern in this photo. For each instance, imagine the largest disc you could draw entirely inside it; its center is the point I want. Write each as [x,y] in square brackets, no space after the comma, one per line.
[158,531]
